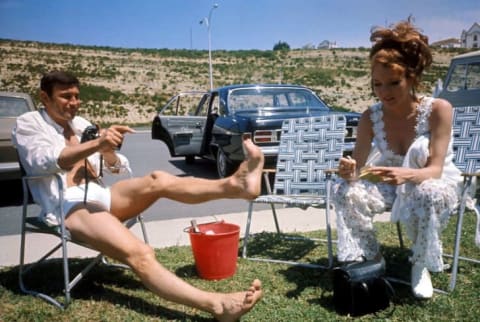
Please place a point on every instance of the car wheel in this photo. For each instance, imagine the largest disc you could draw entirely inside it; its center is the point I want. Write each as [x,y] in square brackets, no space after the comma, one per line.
[224,166]
[189,159]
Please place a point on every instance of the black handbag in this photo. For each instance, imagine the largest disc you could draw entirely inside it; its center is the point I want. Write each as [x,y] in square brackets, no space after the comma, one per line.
[361,288]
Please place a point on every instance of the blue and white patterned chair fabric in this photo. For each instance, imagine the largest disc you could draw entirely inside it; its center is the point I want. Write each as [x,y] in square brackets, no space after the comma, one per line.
[309,149]
[466,144]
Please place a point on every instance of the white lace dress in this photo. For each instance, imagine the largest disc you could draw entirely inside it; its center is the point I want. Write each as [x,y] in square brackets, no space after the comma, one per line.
[423,208]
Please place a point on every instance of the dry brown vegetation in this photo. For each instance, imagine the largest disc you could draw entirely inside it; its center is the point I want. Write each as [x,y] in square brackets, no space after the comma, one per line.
[128,85]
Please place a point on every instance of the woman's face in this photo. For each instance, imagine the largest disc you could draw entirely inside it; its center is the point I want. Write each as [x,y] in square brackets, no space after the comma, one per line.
[390,85]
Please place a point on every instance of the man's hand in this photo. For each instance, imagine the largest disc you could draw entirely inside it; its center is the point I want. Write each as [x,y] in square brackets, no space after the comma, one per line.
[112,138]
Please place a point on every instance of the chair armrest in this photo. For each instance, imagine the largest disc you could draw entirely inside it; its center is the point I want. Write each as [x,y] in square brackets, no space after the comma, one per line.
[57,176]
[466,174]
[331,171]
[266,179]
[269,171]
[26,190]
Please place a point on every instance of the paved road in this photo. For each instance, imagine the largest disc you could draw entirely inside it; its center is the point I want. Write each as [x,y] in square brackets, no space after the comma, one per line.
[145,155]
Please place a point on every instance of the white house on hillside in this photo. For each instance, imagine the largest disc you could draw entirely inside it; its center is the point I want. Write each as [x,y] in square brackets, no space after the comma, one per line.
[471,38]
[447,43]
[326,44]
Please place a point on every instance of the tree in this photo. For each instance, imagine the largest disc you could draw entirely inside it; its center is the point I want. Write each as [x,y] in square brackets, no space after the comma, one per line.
[281,45]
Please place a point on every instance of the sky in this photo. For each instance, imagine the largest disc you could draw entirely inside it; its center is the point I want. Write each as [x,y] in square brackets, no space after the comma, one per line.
[233,25]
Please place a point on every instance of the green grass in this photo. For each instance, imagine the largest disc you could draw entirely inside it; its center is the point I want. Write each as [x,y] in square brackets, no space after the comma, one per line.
[290,293]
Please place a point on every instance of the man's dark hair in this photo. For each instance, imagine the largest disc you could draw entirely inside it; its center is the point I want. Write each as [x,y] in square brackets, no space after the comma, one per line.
[57,77]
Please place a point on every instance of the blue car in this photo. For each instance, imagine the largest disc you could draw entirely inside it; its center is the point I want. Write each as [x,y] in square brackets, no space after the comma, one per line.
[211,124]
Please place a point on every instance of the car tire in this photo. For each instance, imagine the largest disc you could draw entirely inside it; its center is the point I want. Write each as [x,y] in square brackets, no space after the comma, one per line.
[189,159]
[224,166]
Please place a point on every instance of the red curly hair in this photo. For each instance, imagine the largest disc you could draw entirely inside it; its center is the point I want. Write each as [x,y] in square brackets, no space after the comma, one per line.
[402,45]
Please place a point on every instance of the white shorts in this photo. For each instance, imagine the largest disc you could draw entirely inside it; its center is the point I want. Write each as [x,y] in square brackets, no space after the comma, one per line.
[96,194]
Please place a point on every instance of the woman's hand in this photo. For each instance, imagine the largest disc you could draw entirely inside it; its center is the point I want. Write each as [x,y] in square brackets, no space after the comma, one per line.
[392,175]
[347,168]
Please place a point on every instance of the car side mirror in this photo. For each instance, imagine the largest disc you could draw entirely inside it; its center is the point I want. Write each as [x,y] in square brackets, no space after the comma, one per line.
[438,88]
[215,110]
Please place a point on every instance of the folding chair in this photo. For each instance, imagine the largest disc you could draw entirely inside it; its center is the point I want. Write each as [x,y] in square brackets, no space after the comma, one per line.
[466,146]
[309,149]
[33,224]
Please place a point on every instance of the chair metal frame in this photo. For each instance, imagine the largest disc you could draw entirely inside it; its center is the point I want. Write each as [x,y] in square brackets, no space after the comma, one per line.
[466,146]
[309,149]
[33,224]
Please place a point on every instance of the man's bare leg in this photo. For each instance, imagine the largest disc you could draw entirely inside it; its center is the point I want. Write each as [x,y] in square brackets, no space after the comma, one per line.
[131,197]
[108,235]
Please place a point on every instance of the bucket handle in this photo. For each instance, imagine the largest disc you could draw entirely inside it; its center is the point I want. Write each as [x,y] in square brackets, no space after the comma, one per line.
[195,225]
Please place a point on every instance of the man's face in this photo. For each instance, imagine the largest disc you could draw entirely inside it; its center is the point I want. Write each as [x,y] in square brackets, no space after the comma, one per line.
[63,104]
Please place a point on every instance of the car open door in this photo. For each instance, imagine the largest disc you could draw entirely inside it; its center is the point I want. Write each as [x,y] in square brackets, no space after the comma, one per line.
[183,123]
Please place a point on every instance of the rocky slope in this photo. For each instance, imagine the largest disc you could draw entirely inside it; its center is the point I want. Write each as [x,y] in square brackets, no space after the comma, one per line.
[128,85]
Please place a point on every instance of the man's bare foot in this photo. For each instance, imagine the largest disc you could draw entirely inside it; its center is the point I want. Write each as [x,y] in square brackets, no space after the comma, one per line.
[248,178]
[234,305]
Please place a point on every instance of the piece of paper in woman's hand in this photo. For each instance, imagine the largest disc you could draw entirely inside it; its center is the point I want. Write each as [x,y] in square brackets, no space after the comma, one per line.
[366,174]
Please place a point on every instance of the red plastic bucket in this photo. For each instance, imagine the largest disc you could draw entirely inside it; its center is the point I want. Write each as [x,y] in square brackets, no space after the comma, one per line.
[215,249]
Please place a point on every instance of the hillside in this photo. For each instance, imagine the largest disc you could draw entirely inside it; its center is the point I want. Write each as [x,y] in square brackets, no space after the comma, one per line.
[128,85]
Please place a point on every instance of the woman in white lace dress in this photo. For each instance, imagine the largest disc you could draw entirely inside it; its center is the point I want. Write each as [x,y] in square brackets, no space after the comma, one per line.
[411,136]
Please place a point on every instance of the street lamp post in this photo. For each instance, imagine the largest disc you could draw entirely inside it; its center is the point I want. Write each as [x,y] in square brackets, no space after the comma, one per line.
[208,23]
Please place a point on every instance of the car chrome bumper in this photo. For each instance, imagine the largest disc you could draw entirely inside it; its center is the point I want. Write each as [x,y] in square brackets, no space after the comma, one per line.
[9,167]
[9,171]
[269,151]
[348,146]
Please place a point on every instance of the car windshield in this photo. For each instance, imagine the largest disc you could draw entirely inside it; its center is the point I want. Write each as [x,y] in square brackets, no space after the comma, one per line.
[465,76]
[12,106]
[272,97]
